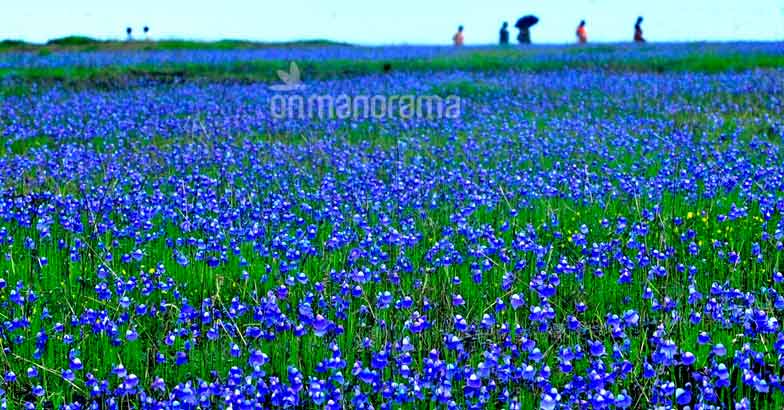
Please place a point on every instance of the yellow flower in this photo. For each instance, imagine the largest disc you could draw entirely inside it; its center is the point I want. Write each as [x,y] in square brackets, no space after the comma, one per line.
[690,215]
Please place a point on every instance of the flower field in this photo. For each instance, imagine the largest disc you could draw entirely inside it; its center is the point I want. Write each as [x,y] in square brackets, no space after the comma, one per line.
[598,236]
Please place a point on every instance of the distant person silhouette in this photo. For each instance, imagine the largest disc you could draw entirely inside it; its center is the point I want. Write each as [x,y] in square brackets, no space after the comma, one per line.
[524,24]
[129,32]
[582,34]
[503,35]
[146,32]
[458,38]
[638,38]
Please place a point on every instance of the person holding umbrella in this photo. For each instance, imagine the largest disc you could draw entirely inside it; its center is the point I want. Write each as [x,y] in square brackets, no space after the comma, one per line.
[458,39]
[524,24]
[503,35]
[638,38]
[582,35]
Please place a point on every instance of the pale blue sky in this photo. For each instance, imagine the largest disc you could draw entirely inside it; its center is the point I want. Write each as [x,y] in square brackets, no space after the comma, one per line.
[392,21]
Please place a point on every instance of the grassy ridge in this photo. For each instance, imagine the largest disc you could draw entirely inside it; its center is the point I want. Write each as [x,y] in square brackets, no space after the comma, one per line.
[87,44]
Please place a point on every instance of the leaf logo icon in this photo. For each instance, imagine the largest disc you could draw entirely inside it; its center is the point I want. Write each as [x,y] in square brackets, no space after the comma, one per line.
[291,81]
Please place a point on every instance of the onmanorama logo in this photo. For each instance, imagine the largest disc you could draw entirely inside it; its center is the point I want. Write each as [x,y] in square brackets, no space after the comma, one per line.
[288,105]
[296,106]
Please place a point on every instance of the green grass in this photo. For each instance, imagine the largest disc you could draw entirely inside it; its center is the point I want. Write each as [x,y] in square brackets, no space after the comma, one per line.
[500,60]
[73,41]
[15,45]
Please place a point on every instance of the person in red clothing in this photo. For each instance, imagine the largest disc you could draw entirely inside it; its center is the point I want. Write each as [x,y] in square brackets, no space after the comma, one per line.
[457,39]
[582,34]
[638,38]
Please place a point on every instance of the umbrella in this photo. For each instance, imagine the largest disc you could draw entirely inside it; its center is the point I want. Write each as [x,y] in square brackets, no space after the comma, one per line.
[526,21]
